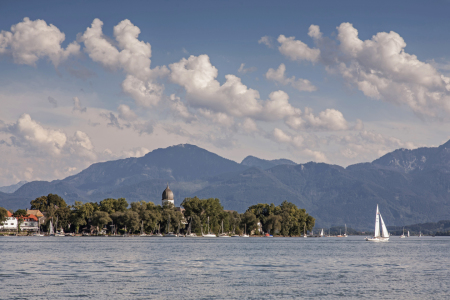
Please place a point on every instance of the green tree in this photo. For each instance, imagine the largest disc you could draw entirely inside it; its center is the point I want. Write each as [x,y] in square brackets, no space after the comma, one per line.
[100,219]
[111,205]
[3,215]
[249,221]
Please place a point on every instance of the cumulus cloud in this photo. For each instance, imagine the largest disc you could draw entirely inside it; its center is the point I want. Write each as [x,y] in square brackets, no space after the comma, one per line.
[135,152]
[297,50]
[29,134]
[180,110]
[244,70]
[28,41]
[233,99]
[266,40]
[77,105]
[298,143]
[280,77]
[132,56]
[379,67]
[125,113]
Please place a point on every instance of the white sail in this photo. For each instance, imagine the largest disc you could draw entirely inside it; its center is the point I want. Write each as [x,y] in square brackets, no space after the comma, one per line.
[383,228]
[51,228]
[377,224]
[408,233]
[321,233]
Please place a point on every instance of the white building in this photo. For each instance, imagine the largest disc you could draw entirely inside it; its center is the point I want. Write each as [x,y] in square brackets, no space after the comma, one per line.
[10,223]
[30,223]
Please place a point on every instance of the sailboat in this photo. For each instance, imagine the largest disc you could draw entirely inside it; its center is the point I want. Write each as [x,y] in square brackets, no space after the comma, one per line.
[345,232]
[403,235]
[190,234]
[50,231]
[142,229]
[209,234]
[159,232]
[61,231]
[384,236]
[245,232]
[223,234]
[39,229]
[408,233]
[321,233]
[304,231]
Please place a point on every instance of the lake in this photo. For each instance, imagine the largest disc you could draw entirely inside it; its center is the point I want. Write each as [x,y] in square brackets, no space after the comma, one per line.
[230,268]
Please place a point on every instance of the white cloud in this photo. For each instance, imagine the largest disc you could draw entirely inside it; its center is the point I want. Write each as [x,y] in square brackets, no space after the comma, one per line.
[379,67]
[180,110]
[133,58]
[77,105]
[297,50]
[146,93]
[218,118]
[125,113]
[29,41]
[244,70]
[266,40]
[299,84]
[30,135]
[329,119]
[135,152]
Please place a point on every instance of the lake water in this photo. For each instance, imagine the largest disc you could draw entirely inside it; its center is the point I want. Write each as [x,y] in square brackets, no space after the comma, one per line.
[233,268]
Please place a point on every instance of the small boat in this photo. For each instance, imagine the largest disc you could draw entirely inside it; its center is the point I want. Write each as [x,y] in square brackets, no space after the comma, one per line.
[268,235]
[39,230]
[403,234]
[224,235]
[345,232]
[245,232]
[420,234]
[170,234]
[408,233]
[304,231]
[50,230]
[209,234]
[321,233]
[384,235]
[190,233]
[142,229]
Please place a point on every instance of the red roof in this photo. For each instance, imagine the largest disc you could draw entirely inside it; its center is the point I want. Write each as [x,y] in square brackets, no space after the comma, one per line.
[30,217]
[9,214]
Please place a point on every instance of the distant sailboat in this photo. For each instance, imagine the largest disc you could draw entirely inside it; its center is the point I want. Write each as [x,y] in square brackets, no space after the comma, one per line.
[50,231]
[321,233]
[245,232]
[223,234]
[304,231]
[345,232]
[209,234]
[408,233]
[384,236]
[142,229]
[403,235]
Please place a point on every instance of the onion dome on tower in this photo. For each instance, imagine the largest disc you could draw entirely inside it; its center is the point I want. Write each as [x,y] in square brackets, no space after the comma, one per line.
[167,196]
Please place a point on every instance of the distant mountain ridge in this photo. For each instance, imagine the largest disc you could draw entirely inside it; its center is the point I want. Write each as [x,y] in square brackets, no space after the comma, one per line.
[252,161]
[12,188]
[410,186]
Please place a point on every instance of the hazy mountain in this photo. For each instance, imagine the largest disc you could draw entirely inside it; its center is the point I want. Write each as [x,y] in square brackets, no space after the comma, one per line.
[251,161]
[12,188]
[410,186]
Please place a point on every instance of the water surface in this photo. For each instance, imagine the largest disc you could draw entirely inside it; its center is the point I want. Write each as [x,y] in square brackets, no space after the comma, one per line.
[233,268]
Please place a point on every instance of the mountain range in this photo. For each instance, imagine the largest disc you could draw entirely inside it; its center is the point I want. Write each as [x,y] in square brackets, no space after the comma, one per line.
[410,186]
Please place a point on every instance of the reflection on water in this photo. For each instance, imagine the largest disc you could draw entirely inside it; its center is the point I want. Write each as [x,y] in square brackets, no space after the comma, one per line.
[193,268]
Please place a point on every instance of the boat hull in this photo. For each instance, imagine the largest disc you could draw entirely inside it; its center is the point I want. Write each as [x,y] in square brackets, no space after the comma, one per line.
[377,239]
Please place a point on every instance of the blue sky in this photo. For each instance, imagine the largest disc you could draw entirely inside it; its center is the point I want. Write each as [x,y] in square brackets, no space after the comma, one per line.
[340,82]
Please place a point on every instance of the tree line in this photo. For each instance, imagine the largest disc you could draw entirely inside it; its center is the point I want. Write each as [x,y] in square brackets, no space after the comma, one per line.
[199,216]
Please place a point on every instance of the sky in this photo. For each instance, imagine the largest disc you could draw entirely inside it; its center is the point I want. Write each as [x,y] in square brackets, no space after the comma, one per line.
[340,82]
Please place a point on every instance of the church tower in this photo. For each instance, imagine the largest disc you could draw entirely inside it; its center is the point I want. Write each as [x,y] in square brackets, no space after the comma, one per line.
[167,197]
